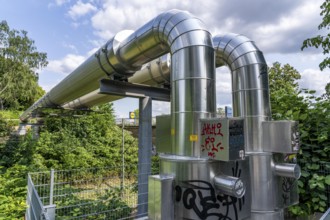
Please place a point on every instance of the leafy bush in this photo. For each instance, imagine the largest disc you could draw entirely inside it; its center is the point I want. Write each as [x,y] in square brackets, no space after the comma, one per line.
[13,192]
[68,140]
[106,206]
[291,103]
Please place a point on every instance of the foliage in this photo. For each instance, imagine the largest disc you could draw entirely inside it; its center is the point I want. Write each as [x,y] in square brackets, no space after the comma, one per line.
[105,206]
[71,140]
[291,103]
[322,41]
[14,115]
[314,156]
[91,140]
[19,60]
[5,128]
[284,92]
[13,192]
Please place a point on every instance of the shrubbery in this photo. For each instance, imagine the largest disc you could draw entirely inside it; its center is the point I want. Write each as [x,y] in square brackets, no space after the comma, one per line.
[67,140]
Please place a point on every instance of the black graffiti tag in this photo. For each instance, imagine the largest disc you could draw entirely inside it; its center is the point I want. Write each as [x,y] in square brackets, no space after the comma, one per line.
[287,185]
[201,197]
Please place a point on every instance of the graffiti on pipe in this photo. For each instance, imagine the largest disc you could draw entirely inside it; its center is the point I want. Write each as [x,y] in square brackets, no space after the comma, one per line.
[287,186]
[201,197]
[212,144]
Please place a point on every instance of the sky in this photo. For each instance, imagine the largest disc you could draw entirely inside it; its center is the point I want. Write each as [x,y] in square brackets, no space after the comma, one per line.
[70,31]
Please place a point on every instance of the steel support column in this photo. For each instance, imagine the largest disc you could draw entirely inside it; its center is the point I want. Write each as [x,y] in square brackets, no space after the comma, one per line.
[144,153]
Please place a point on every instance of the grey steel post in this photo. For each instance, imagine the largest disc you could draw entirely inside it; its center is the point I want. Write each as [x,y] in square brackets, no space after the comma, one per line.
[51,193]
[122,157]
[144,153]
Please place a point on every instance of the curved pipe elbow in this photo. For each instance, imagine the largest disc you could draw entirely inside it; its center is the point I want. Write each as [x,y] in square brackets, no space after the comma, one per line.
[236,51]
[168,32]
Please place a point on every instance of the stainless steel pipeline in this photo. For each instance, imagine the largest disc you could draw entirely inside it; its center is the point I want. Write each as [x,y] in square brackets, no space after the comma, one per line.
[250,95]
[192,73]
[250,90]
[83,79]
[190,45]
[154,73]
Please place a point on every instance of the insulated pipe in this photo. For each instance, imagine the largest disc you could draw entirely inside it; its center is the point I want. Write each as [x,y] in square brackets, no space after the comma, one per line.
[250,92]
[85,78]
[190,45]
[153,73]
[192,72]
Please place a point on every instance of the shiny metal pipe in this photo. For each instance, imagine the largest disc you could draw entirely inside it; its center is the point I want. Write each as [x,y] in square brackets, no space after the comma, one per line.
[193,89]
[229,185]
[154,73]
[250,94]
[124,54]
[192,71]
[288,170]
[84,79]
[250,91]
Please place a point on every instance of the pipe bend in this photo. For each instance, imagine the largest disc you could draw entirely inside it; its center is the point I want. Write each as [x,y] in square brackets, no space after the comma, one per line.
[168,32]
[232,47]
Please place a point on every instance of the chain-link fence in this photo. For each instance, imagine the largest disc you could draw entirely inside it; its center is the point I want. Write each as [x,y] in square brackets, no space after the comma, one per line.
[94,193]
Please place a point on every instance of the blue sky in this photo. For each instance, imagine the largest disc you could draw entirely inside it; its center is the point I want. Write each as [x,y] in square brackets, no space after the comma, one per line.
[70,31]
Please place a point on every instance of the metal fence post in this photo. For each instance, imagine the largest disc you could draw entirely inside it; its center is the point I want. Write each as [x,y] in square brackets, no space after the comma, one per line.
[50,209]
[122,158]
[51,192]
[144,153]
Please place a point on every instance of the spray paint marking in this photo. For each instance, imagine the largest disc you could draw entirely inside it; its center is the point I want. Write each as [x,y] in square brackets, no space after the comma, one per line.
[287,186]
[210,145]
[201,197]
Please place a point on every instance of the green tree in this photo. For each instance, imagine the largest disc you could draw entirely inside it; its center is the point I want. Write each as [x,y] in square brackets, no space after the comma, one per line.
[19,62]
[284,92]
[322,40]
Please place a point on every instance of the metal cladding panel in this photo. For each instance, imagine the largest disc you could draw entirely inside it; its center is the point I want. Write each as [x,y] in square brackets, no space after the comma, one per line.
[160,205]
[280,136]
[222,138]
[195,195]
[163,134]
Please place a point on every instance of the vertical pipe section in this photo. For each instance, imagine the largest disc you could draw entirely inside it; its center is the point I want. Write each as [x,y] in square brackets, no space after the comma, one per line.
[193,86]
[144,153]
[250,94]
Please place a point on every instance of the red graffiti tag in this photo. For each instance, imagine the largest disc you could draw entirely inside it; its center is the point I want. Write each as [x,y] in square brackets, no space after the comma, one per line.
[211,144]
[212,129]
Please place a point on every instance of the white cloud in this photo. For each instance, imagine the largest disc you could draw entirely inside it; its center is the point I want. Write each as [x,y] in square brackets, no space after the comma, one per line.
[58,3]
[223,86]
[65,65]
[80,9]
[61,2]
[314,79]
[161,108]
[70,46]
[119,15]
[289,31]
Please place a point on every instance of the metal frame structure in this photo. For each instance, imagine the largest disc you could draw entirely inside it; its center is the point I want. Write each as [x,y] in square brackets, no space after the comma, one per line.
[253,180]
